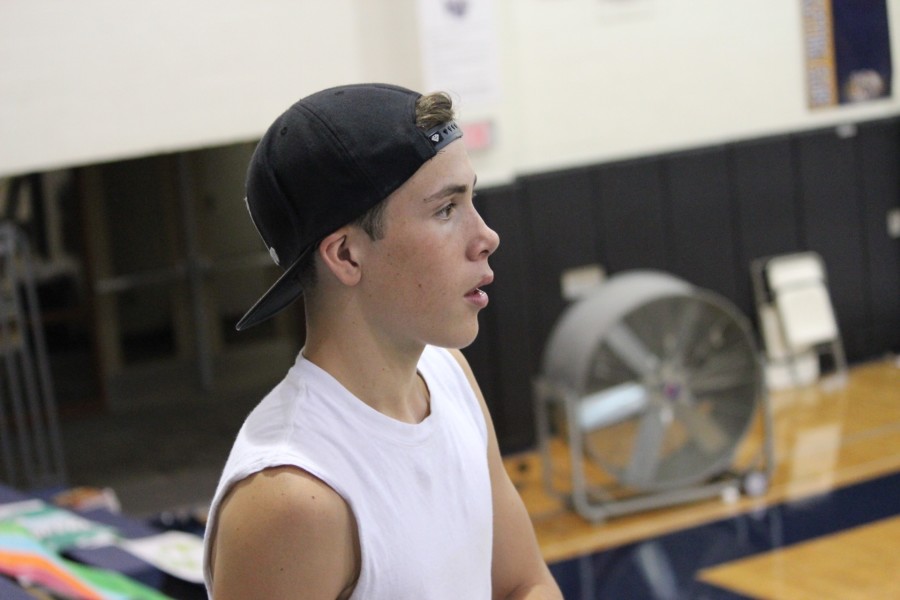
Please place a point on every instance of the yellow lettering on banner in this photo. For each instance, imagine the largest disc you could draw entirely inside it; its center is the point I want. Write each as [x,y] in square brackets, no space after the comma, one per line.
[819,45]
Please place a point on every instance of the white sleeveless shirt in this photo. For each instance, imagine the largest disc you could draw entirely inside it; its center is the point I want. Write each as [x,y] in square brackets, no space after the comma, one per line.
[421,494]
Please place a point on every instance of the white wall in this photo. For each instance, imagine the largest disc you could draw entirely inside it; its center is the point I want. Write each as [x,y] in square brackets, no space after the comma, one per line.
[94,80]
[595,80]
[582,80]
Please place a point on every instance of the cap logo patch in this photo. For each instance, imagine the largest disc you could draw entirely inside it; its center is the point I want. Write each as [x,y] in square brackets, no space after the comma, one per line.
[443,134]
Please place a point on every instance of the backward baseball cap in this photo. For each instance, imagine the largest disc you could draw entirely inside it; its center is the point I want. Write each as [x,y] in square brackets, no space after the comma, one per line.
[323,163]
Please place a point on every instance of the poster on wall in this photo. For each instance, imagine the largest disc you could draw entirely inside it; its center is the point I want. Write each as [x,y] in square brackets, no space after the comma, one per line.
[458,41]
[848,51]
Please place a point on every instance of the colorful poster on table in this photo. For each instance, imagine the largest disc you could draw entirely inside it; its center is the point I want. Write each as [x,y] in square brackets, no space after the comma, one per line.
[26,559]
[848,51]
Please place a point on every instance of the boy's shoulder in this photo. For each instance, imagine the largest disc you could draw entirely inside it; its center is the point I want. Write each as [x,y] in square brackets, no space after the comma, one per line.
[282,512]
[286,495]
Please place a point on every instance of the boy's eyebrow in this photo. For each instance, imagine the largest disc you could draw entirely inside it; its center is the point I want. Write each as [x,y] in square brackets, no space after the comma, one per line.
[450,190]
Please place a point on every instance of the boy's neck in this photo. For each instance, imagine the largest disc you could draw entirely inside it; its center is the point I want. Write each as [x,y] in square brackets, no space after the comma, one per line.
[381,376]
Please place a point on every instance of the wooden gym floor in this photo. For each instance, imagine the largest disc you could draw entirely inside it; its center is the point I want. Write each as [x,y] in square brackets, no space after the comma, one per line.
[828,526]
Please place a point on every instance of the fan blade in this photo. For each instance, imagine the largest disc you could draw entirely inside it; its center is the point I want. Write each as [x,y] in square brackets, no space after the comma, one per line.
[647,445]
[715,336]
[702,427]
[629,348]
[686,326]
[723,371]
[612,405]
[703,384]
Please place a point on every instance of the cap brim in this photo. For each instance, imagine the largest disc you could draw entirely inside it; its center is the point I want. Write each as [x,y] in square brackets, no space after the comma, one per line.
[284,291]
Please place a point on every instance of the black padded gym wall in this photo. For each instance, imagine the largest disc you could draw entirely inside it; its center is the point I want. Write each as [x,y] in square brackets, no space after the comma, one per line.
[703,215]
[700,220]
[560,211]
[630,229]
[764,192]
[831,224]
[503,360]
[879,163]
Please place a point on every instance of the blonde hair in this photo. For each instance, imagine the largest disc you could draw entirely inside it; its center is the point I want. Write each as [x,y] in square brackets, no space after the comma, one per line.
[433,110]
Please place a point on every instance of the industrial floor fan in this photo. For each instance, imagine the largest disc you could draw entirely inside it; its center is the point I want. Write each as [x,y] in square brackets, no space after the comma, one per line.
[648,386]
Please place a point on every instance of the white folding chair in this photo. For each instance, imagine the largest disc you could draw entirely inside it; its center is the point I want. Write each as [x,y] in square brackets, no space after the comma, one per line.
[797,316]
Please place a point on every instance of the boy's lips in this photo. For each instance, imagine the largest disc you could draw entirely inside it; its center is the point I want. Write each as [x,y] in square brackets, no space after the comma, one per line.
[486,280]
[478,298]
[476,295]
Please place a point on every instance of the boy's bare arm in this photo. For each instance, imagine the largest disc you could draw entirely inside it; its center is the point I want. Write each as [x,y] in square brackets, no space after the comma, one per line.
[283,533]
[518,569]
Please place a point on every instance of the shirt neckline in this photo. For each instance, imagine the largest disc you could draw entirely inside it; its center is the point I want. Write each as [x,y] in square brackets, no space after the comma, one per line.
[377,423]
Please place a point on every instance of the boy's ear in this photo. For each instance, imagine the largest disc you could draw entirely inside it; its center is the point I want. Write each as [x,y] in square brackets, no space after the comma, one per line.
[338,255]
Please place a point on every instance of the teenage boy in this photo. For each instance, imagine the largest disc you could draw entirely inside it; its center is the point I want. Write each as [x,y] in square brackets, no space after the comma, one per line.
[372,470]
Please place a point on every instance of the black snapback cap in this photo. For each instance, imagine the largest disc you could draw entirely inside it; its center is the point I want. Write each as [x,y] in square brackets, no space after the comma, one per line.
[323,163]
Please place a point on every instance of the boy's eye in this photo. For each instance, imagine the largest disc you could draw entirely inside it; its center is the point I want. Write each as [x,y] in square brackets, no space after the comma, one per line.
[447,210]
